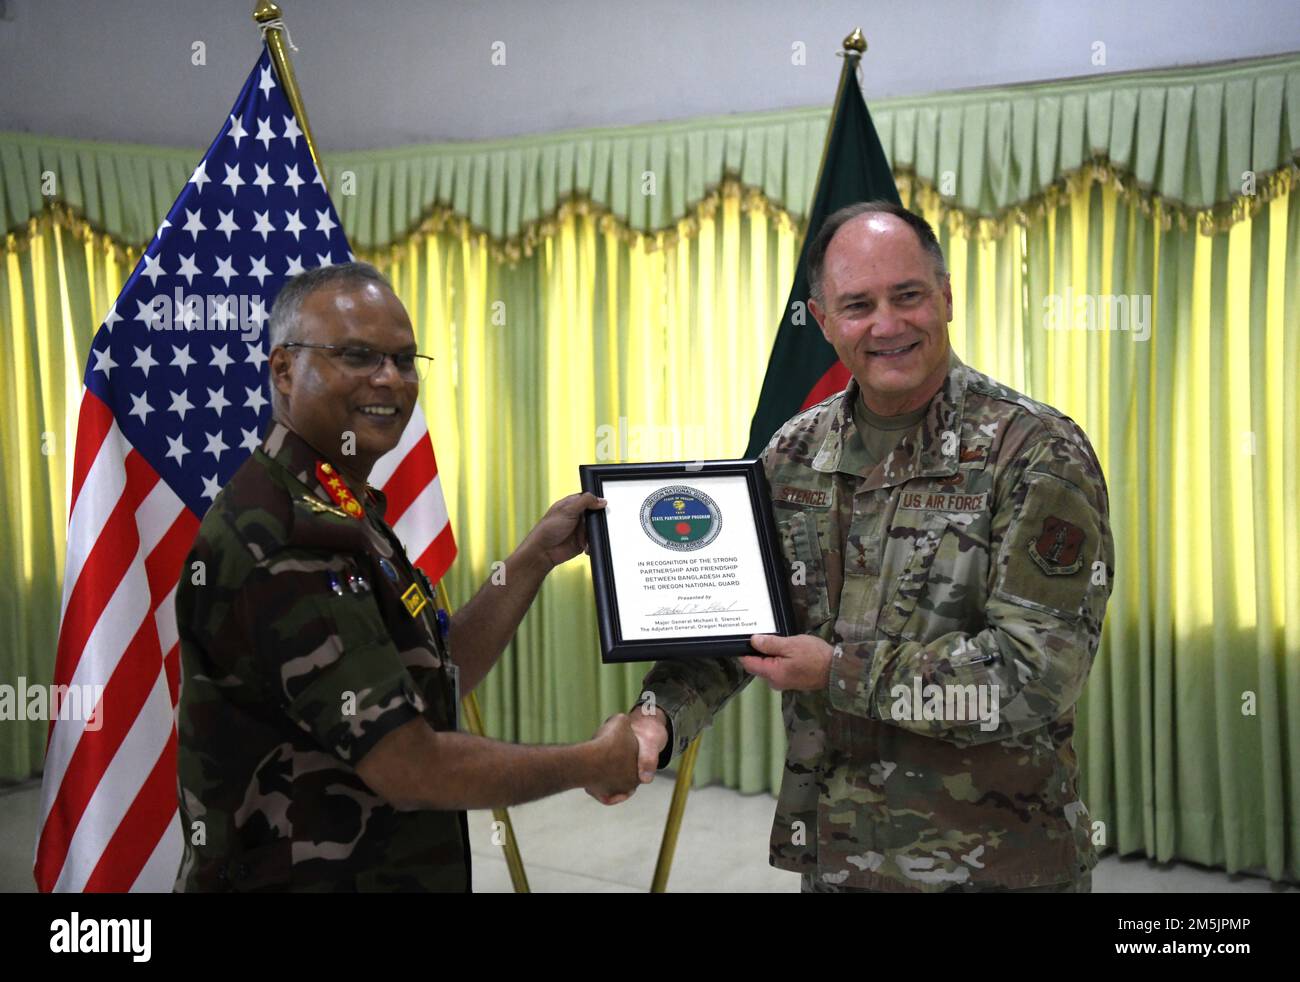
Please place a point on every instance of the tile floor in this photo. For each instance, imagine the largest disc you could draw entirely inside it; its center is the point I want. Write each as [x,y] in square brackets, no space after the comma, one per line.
[571,843]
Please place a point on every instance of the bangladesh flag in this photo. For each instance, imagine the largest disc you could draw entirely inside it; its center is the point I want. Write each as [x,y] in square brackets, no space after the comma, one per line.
[804,369]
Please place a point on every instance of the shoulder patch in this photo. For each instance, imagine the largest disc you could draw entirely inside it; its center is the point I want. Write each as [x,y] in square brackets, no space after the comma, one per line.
[1058,549]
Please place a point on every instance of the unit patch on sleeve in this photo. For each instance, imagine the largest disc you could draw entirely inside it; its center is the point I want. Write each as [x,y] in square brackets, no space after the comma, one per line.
[1058,548]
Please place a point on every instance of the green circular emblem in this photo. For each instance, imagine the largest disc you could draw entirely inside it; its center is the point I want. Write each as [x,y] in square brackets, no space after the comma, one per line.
[681,518]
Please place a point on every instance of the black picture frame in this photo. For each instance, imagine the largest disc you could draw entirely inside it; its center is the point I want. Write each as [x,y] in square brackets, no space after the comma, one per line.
[614,647]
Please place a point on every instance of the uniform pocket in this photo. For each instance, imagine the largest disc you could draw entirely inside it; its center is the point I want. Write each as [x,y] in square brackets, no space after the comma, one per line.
[898,618]
[808,586]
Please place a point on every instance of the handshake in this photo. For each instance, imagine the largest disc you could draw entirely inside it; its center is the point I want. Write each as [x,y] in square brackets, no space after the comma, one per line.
[628,748]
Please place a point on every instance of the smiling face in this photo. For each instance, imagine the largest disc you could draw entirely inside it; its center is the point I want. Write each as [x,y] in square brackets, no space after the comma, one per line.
[885,310]
[321,400]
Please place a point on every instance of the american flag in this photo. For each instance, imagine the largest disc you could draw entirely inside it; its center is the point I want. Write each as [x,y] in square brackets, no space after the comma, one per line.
[175,399]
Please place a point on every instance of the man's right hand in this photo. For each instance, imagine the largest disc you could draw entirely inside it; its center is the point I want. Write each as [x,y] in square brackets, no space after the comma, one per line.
[617,752]
[651,737]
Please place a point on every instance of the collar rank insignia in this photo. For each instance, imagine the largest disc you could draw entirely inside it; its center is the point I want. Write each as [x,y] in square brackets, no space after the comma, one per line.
[332,482]
[414,600]
[319,507]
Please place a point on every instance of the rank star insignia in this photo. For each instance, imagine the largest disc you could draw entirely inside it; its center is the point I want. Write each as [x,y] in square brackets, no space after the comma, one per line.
[338,490]
[1058,548]
[414,600]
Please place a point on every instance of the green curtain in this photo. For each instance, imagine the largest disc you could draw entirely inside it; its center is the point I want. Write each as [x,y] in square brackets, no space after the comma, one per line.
[1189,725]
[1187,730]
[613,295]
[1186,136]
[596,348]
[52,295]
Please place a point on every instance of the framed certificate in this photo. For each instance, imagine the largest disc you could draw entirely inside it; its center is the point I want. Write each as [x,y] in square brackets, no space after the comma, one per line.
[685,559]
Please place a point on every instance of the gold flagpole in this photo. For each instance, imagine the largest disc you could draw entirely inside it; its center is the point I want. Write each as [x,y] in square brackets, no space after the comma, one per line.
[267,13]
[853,48]
[474,724]
[668,845]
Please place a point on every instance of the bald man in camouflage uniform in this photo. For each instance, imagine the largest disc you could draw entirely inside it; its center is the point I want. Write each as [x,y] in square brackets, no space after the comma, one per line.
[951,561]
[318,745]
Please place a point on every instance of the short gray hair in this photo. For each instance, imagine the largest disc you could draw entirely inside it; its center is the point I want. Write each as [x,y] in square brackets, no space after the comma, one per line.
[836,221]
[288,302]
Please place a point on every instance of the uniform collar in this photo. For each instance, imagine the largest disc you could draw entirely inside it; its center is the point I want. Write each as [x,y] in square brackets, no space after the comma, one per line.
[922,451]
[300,458]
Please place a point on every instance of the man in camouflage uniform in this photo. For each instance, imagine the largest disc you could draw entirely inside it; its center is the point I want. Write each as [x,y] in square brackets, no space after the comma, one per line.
[952,559]
[317,721]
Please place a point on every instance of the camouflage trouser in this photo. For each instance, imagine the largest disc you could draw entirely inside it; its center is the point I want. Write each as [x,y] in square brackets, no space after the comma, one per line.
[1082,885]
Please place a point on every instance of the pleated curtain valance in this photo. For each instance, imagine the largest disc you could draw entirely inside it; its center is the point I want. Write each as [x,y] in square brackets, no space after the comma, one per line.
[1198,139]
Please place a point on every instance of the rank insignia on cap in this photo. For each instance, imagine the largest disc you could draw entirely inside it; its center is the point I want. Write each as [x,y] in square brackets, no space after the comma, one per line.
[333,484]
[414,600]
[1058,548]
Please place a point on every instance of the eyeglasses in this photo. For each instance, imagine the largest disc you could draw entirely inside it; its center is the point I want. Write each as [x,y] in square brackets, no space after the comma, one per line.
[362,362]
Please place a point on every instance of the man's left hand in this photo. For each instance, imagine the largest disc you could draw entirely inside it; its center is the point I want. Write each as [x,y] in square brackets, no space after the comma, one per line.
[562,532]
[801,663]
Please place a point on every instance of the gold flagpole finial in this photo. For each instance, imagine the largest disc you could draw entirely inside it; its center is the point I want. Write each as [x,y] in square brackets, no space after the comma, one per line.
[855,42]
[853,47]
[270,19]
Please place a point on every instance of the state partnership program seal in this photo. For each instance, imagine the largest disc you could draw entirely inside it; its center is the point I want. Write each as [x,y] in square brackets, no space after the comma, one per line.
[681,518]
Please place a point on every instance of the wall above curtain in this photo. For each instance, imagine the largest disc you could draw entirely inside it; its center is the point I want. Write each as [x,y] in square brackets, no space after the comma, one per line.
[1183,140]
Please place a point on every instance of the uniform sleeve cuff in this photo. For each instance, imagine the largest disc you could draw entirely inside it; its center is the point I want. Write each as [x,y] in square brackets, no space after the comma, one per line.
[850,686]
[685,715]
[665,755]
